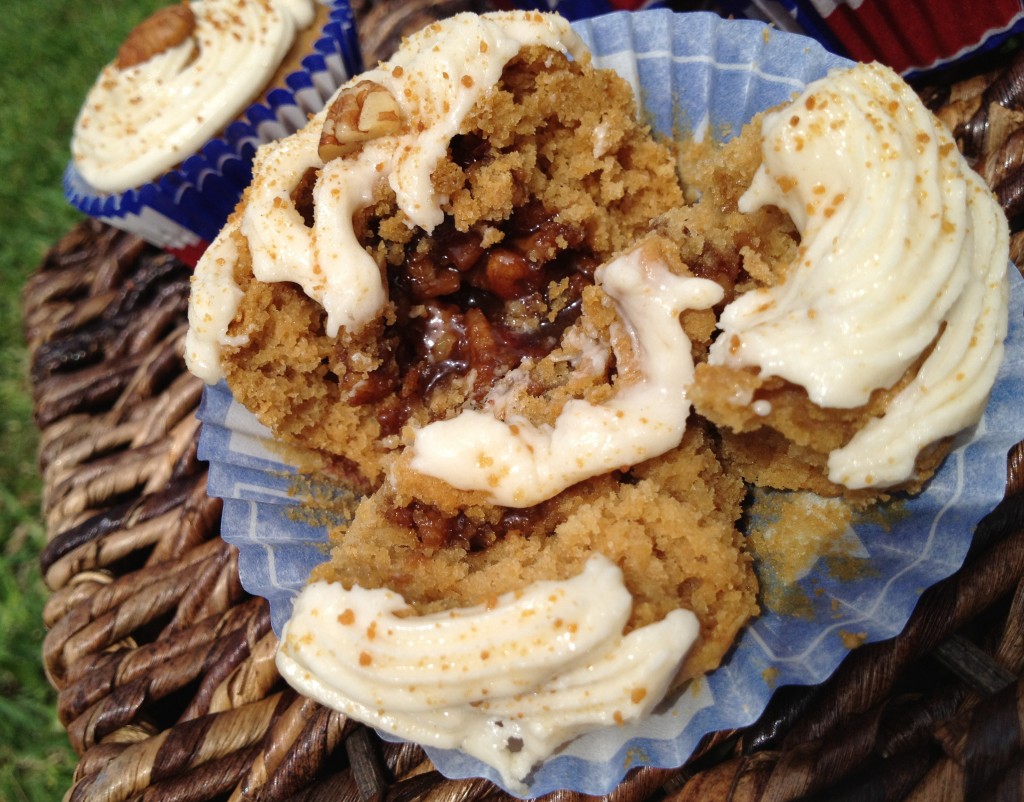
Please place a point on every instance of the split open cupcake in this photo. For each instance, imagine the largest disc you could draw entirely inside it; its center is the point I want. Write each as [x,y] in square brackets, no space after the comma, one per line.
[482,290]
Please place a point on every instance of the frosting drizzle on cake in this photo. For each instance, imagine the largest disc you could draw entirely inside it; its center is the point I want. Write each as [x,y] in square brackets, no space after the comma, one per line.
[519,464]
[435,79]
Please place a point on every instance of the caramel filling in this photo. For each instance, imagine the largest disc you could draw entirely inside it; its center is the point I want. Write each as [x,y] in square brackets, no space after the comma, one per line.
[464,312]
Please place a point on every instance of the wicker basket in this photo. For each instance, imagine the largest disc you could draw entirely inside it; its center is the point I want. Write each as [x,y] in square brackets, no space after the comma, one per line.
[164,665]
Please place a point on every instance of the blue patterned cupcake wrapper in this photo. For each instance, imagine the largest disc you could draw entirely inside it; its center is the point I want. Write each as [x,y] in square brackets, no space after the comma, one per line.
[183,209]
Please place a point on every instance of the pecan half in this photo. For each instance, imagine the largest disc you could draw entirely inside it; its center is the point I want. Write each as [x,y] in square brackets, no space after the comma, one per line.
[360,113]
[164,29]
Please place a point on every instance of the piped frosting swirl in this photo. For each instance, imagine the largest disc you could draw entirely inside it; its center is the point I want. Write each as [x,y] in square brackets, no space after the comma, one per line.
[903,249]
[141,120]
[507,682]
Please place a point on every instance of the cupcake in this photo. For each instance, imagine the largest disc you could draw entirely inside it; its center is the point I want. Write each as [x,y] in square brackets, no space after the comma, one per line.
[546,580]
[476,255]
[164,139]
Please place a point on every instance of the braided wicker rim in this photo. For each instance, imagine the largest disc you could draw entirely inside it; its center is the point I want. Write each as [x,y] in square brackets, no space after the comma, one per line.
[164,664]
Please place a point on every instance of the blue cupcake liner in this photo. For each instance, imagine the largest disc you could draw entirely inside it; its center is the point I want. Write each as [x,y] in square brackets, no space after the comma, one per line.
[183,209]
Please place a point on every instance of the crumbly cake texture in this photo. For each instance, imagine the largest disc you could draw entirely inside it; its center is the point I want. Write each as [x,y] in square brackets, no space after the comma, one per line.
[669,523]
[788,448]
[537,201]
[740,251]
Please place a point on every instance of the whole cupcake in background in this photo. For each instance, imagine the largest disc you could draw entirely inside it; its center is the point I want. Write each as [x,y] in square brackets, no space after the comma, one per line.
[163,143]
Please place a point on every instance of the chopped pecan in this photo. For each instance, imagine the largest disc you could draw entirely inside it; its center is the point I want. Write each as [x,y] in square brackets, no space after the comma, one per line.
[360,113]
[164,29]
[511,275]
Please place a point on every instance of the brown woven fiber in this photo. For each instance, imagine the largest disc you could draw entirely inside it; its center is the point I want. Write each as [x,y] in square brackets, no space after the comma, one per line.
[164,664]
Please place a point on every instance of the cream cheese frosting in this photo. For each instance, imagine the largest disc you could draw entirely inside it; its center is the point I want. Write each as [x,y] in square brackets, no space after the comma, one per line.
[435,78]
[902,247]
[507,682]
[140,121]
[519,464]
[213,301]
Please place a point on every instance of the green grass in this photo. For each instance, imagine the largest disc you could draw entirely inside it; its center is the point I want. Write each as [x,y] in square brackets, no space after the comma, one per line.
[50,52]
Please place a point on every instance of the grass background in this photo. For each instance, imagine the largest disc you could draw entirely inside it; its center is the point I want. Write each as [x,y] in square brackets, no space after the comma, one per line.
[50,53]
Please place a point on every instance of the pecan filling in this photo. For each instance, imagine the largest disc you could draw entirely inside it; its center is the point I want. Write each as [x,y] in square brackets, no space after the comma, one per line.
[470,313]
[437,529]
[467,306]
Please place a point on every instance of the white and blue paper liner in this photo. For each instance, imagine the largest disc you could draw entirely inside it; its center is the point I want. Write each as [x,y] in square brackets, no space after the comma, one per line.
[182,210]
[693,72]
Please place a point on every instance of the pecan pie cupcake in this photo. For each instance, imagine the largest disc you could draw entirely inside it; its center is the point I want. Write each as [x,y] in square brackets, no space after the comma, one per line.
[164,139]
[480,233]
[475,281]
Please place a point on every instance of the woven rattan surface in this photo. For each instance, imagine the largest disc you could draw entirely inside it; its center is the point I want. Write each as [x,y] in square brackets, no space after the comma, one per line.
[164,664]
